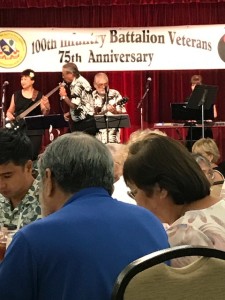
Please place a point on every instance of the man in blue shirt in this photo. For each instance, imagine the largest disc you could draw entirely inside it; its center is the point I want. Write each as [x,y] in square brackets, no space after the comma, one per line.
[86,237]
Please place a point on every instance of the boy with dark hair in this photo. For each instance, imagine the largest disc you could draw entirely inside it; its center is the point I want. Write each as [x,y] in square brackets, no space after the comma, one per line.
[19,200]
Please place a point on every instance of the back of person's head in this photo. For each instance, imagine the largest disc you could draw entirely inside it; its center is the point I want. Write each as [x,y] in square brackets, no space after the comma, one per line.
[119,151]
[28,73]
[72,68]
[207,147]
[15,147]
[78,160]
[119,154]
[141,133]
[161,160]
[196,79]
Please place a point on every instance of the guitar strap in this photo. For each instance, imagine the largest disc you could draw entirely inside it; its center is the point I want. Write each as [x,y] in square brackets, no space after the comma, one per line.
[34,96]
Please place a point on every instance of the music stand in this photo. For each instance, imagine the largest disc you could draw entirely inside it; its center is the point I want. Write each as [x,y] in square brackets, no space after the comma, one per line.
[203,96]
[113,121]
[44,122]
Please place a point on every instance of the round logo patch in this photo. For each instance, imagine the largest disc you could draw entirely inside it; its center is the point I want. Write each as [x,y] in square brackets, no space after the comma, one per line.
[13,49]
[221,48]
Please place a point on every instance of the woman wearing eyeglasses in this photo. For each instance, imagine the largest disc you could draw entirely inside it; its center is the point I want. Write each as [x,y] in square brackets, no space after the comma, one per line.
[165,178]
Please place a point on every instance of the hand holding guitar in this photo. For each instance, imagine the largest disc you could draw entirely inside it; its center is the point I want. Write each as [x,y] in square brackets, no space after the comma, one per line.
[113,107]
[45,106]
[10,116]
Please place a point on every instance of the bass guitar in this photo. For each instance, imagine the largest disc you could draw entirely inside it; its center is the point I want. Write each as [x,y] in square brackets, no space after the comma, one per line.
[17,121]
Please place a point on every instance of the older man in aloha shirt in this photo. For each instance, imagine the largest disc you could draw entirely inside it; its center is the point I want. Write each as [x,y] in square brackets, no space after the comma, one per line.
[81,95]
[26,212]
[114,98]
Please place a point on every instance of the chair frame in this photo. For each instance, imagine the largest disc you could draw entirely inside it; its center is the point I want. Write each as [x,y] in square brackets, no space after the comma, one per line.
[156,258]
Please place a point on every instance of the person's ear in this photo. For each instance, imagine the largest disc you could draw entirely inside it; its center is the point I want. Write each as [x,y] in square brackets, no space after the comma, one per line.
[48,182]
[163,194]
[29,165]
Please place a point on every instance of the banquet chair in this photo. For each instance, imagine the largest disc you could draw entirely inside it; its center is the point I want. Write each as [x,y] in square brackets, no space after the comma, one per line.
[149,277]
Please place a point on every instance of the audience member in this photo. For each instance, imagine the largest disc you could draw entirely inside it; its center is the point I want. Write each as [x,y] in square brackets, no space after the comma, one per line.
[121,191]
[119,153]
[166,179]
[206,167]
[107,102]
[86,237]
[19,200]
[78,99]
[24,99]
[208,148]
[139,134]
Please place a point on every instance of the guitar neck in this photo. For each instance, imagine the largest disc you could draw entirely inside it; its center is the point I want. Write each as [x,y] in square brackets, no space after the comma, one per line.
[36,104]
[28,110]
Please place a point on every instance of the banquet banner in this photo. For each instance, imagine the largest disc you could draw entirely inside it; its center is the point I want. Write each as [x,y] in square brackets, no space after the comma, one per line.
[110,49]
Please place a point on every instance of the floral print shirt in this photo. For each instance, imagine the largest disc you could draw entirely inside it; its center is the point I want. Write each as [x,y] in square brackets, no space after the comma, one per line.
[114,98]
[81,95]
[205,227]
[26,212]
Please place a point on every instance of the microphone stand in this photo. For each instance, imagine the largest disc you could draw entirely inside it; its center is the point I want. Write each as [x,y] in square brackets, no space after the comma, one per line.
[106,114]
[2,107]
[140,104]
[202,104]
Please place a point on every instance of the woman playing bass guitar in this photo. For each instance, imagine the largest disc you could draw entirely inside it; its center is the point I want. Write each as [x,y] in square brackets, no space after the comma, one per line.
[23,99]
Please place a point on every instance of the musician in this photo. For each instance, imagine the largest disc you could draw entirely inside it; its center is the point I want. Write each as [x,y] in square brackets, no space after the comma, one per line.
[107,101]
[24,99]
[195,133]
[79,100]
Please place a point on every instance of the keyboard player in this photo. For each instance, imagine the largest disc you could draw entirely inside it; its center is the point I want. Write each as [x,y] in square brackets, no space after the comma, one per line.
[195,133]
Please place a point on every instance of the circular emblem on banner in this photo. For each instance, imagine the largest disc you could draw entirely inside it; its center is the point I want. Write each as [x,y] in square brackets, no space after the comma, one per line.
[13,49]
[221,48]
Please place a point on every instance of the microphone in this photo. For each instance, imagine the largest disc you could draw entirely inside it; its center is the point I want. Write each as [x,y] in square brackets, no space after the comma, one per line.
[106,89]
[148,82]
[5,83]
[62,84]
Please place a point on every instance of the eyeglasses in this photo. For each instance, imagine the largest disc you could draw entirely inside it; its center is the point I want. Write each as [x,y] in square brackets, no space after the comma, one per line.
[209,174]
[99,85]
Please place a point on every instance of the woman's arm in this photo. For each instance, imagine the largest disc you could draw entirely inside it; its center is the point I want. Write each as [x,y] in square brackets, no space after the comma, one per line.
[11,110]
[45,106]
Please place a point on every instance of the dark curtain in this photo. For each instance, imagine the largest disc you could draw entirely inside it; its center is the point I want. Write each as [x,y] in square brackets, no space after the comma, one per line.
[165,87]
